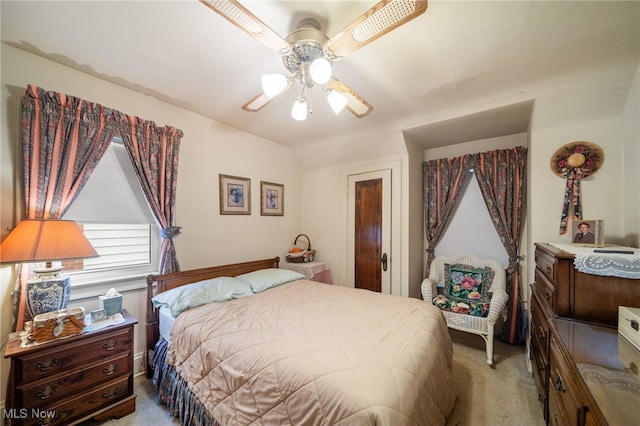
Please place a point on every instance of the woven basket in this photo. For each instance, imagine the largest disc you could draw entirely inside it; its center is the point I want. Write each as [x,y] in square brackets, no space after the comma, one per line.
[306,255]
[57,324]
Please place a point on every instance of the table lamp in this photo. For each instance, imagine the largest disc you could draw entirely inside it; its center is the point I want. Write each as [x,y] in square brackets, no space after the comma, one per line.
[46,241]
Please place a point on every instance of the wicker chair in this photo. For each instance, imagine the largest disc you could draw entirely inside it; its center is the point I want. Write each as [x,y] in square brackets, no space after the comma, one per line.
[482,326]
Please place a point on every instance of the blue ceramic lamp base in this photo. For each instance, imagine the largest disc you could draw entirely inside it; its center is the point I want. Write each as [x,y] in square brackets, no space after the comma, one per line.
[48,291]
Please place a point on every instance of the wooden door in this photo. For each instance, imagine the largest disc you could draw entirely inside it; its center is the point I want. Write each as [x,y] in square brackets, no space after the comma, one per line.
[369,231]
[368,234]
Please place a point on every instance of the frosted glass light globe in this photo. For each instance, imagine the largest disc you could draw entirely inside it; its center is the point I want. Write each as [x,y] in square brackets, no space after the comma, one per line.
[320,71]
[337,101]
[299,110]
[272,84]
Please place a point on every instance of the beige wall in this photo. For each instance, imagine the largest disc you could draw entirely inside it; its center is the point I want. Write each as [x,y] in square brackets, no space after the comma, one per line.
[207,148]
[631,141]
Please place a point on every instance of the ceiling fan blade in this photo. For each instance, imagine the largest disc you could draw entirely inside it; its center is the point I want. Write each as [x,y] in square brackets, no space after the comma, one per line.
[256,103]
[260,100]
[355,104]
[240,16]
[382,18]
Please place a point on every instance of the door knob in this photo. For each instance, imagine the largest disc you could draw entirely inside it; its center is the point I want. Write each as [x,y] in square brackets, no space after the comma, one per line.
[384,261]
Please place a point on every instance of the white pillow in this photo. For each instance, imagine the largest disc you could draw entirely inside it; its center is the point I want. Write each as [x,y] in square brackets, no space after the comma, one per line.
[188,296]
[271,277]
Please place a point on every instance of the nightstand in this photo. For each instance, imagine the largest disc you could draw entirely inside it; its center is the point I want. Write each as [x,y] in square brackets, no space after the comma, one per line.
[314,271]
[71,380]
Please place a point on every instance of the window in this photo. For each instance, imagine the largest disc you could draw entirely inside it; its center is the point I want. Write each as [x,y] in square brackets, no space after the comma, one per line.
[117,220]
[471,229]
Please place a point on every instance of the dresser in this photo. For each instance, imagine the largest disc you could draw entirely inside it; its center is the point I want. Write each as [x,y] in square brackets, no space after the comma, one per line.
[71,380]
[575,350]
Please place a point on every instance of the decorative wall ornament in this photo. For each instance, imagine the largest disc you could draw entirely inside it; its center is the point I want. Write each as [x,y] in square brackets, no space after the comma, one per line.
[574,162]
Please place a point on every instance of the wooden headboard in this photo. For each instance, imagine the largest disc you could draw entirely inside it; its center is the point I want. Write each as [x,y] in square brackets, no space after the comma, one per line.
[159,283]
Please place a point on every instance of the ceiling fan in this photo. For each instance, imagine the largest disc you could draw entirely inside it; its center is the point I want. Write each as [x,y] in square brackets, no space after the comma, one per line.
[307,53]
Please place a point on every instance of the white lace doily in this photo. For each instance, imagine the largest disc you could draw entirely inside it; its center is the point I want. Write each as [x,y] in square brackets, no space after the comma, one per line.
[607,264]
[620,266]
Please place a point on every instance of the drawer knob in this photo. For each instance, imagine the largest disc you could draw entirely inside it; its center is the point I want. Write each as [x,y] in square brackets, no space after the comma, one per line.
[48,366]
[111,395]
[559,383]
[109,346]
[547,296]
[541,364]
[549,269]
[47,392]
[541,334]
[110,370]
[555,420]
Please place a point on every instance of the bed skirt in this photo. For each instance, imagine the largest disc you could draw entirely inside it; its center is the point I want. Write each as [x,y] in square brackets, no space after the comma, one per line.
[174,392]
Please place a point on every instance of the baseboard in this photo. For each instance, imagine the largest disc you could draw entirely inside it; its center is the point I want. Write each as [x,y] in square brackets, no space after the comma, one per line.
[139,365]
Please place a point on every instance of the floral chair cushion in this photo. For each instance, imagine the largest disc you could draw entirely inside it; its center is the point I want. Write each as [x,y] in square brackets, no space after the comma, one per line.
[476,309]
[466,290]
[467,283]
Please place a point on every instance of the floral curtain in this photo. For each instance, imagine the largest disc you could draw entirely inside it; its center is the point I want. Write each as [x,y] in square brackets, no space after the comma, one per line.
[443,182]
[502,179]
[153,152]
[63,138]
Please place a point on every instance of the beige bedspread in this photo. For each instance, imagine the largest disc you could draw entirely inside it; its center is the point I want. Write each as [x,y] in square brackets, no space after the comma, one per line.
[307,353]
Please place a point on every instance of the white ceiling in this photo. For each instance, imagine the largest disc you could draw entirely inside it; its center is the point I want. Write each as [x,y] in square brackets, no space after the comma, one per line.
[457,54]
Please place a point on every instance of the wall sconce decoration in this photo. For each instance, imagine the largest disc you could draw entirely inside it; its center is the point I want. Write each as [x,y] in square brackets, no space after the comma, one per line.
[574,162]
[46,241]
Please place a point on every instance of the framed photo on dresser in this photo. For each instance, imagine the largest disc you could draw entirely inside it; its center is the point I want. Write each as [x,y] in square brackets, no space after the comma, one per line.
[589,233]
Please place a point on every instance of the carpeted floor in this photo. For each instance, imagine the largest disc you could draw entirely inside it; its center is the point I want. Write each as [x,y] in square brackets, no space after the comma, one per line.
[502,395]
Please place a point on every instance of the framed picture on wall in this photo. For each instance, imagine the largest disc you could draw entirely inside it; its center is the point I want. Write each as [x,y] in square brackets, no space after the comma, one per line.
[235,195]
[271,199]
[588,233]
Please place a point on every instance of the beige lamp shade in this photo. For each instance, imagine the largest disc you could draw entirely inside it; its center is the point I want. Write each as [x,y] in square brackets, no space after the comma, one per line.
[45,241]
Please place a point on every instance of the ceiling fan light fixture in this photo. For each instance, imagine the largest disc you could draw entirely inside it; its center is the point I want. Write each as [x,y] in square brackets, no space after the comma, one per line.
[273,84]
[337,101]
[320,70]
[299,110]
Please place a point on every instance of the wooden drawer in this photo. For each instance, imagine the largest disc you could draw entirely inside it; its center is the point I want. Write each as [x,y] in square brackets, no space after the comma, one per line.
[545,290]
[56,360]
[539,351]
[540,372]
[546,263]
[557,416]
[539,368]
[70,410]
[539,328]
[563,386]
[53,388]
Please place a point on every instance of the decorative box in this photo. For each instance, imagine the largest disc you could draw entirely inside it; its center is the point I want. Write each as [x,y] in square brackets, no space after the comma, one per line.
[629,324]
[56,324]
[111,304]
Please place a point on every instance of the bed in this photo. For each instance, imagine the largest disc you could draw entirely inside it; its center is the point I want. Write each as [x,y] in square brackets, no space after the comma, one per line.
[274,348]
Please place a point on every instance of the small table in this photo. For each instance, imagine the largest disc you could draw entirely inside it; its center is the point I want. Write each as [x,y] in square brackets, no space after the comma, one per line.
[314,271]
